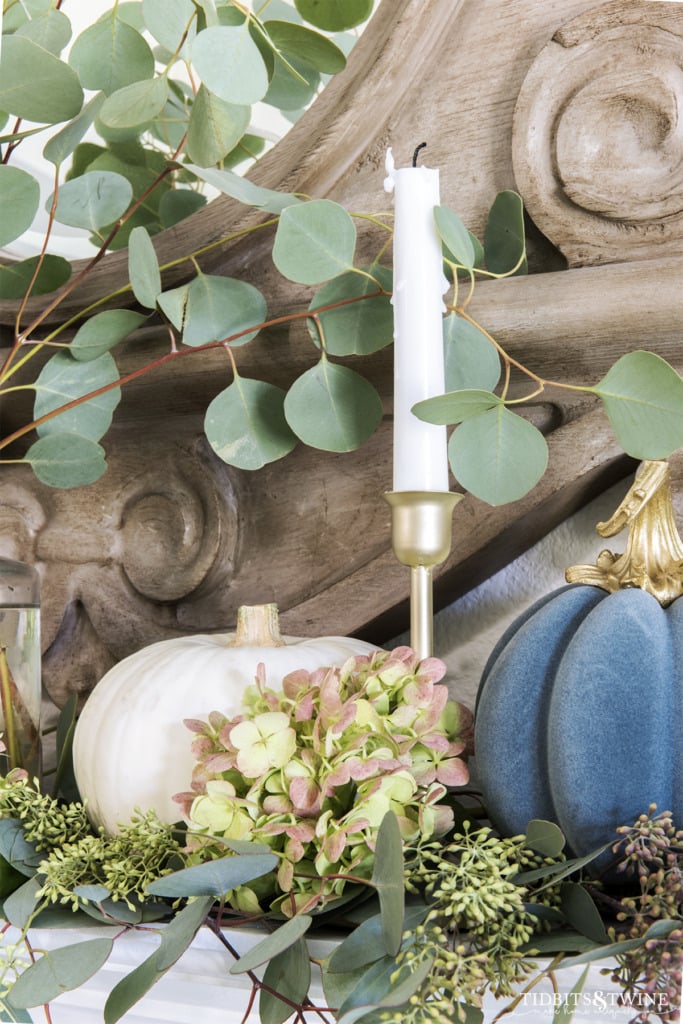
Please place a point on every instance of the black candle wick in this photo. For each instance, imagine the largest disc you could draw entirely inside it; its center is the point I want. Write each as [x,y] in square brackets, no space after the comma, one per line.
[421,146]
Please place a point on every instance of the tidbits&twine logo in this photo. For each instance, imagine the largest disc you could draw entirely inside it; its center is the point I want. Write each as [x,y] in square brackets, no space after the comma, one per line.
[599,1005]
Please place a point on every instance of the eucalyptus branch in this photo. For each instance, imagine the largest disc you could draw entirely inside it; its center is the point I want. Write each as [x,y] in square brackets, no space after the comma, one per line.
[41,256]
[75,282]
[126,289]
[174,353]
[11,146]
[509,360]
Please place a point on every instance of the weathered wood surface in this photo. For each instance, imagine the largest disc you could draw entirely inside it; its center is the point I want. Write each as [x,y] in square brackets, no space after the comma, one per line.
[171,540]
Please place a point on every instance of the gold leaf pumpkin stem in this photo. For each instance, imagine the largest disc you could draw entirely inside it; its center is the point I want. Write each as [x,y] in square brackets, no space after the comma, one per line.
[653,559]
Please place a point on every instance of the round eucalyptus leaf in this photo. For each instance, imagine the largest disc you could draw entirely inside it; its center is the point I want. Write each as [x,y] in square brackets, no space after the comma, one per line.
[355,328]
[305,45]
[135,105]
[62,380]
[179,203]
[171,123]
[292,85]
[83,156]
[332,407]
[219,307]
[229,63]
[141,175]
[129,11]
[51,30]
[115,136]
[66,460]
[16,278]
[19,201]
[168,23]
[16,15]
[50,93]
[455,406]
[173,303]
[95,199]
[334,15]
[498,456]
[65,141]
[215,128]
[245,424]
[103,331]
[314,242]
[110,55]
[143,268]
[545,837]
[59,971]
[504,238]
[643,397]
[470,360]
[455,235]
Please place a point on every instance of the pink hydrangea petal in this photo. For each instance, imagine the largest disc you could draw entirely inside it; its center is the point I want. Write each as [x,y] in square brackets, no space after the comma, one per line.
[219,762]
[305,795]
[296,683]
[432,668]
[453,772]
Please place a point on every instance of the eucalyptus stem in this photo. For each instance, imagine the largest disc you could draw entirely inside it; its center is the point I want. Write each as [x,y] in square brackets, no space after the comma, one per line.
[174,353]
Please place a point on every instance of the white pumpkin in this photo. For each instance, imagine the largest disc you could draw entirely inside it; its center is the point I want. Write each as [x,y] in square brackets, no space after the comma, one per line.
[131,749]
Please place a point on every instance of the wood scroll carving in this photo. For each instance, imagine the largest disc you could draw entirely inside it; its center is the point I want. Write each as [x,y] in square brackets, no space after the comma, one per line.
[572,106]
[597,145]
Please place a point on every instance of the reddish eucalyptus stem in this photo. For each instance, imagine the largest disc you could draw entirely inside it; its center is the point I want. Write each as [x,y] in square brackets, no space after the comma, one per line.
[174,353]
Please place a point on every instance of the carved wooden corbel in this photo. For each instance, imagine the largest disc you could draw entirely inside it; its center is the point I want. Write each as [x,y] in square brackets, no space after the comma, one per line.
[597,148]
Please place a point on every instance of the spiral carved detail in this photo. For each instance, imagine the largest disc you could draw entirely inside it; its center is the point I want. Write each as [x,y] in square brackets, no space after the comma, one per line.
[127,560]
[598,135]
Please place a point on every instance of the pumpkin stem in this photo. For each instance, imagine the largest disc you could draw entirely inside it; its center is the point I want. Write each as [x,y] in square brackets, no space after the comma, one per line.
[653,559]
[258,625]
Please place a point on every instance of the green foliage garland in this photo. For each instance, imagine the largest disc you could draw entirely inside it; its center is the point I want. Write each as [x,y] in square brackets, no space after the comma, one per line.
[477,912]
[432,926]
[158,142]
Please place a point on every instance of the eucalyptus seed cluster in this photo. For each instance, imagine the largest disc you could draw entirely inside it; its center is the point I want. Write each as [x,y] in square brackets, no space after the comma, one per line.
[46,822]
[652,850]
[476,929]
[124,864]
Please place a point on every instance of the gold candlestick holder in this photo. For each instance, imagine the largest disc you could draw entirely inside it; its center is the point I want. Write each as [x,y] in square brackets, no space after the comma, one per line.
[421,531]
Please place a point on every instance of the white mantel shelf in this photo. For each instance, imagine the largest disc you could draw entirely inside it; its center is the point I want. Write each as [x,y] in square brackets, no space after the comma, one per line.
[199,989]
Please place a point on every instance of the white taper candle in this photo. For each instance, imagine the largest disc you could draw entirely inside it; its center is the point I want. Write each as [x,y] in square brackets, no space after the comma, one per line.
[420,454]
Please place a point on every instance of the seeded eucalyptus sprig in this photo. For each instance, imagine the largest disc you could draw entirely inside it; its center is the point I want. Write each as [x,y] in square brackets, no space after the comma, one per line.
[652,851]
[47,823]
[478,928]
[479,910]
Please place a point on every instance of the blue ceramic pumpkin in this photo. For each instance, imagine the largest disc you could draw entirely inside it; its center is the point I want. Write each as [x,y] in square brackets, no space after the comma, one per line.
[579,716]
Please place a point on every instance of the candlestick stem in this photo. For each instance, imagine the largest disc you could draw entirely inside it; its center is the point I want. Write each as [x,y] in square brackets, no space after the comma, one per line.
[421,538]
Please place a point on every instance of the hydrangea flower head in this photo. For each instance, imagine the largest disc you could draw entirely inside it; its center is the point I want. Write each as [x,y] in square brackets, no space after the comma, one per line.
[311,770]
